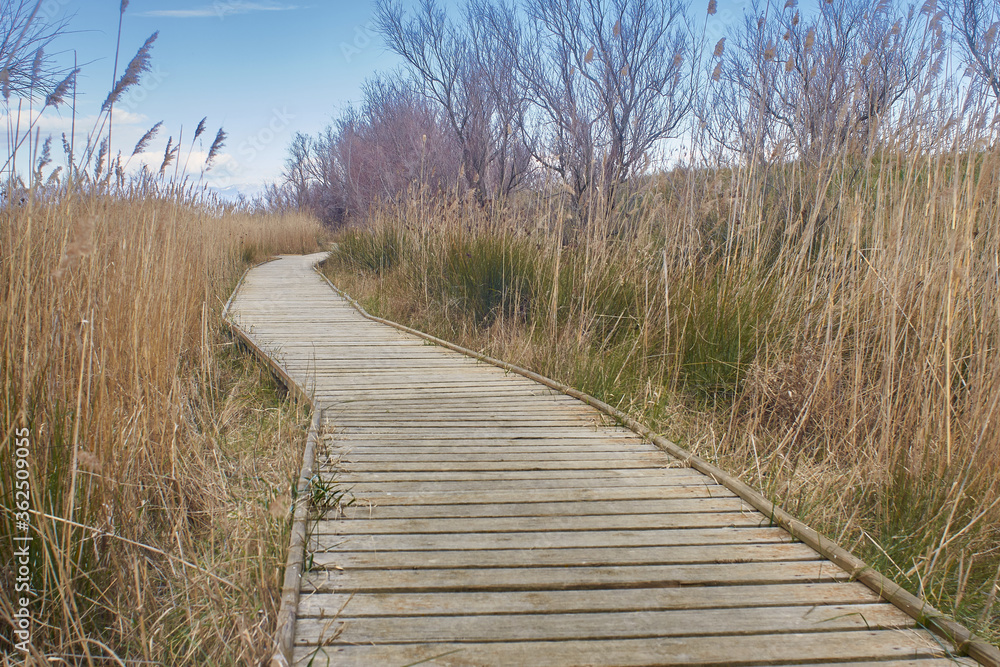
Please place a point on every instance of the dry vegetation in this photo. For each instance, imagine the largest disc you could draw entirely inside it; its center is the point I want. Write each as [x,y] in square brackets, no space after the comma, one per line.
[161,460]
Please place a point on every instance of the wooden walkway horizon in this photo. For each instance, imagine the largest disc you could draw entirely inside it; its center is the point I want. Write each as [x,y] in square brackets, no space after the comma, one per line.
[498,522]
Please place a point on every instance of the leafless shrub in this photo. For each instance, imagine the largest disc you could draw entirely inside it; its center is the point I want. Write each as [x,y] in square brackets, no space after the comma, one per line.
[976,23]
[476,101]
[607,80]
[394,141]
[801,86]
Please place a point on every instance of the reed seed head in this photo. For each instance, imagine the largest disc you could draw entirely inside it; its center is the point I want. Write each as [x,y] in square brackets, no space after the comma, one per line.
[58,94]
[168,155]
[213,152]
[36,67]
[139,64]
[146,138]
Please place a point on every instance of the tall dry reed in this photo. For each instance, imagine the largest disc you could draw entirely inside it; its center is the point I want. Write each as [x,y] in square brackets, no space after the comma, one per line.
[159,464]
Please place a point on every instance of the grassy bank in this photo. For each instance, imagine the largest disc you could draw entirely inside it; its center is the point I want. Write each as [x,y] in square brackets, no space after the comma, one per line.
[829,333]
[160,458]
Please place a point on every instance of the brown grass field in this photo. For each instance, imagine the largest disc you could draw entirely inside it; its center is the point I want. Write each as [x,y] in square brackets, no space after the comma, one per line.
[161,458]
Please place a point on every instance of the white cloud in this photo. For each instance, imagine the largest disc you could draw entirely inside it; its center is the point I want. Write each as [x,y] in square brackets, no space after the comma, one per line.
[221,9]
[223,172]
[54,121]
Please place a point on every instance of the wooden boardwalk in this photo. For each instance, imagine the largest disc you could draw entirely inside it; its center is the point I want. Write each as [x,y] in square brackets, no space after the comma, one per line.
[498,522]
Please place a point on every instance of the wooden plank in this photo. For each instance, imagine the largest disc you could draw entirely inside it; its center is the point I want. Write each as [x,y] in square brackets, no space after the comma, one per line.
[474,448]
[539,421]
[553,539]
[602,556]
[355,441]
[618,625]
[751,519]
[349,465]
[566,578]
[375,489]
[463,432]
[525,470]
[374,400]
[358,605]
[398,390]
[385,498]
[549,509]
[722,650]
[499,484]
[495,411]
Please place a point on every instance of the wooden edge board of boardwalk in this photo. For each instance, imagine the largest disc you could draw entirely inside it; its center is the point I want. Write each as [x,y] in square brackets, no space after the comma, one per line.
[497,521]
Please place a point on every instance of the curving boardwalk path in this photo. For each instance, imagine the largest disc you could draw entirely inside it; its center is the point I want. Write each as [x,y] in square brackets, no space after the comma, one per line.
[497,522]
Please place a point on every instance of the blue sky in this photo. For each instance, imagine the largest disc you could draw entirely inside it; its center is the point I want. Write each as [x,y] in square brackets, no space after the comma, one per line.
[261,69]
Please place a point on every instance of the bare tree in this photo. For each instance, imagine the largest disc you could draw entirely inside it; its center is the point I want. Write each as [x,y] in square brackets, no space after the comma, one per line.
[606,80]
[639,52]
[507,97]
[395,140]
[298,174]
[440,56]
[976,23]
[810,87]
[558,128]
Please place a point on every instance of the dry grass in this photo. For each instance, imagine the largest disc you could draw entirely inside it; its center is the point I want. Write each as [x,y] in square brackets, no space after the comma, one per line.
[160,459]
[829,333]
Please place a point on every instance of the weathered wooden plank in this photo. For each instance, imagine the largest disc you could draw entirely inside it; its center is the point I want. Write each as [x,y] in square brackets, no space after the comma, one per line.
[547,509]
[413,400]
[553,539]
[603,556]
[618,625]
[383,497]
[492,411]
[460,440]
[358,605]
[465,421]
[468,450]
[565,578]
[463,432]
[721,650]
[377,526]
[341,390]
[500,483]
[350,465]
[500,480]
